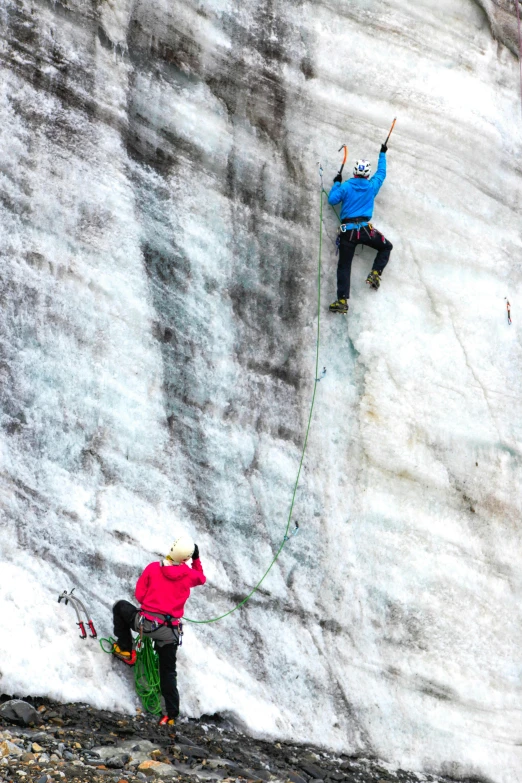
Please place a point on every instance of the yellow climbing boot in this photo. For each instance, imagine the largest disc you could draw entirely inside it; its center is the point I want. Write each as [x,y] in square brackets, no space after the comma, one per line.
[339,306]
[127,657]
[374,279]
[166,721]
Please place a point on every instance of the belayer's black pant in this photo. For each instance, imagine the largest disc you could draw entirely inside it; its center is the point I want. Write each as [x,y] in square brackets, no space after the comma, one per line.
[124,616]
[348,242]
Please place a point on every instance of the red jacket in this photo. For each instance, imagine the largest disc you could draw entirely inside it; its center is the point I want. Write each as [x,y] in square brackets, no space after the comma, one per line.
[165,589]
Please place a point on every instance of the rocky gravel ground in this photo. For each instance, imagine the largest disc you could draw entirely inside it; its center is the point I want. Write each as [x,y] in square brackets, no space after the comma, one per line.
[47,743]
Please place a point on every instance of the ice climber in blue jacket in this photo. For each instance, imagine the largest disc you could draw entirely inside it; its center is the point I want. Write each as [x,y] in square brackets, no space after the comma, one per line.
[357,196]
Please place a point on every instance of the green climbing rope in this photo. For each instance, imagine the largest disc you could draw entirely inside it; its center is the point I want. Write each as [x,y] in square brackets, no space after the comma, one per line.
[289,519]
[146,669]
[147,678]
[333,208]
[146,673]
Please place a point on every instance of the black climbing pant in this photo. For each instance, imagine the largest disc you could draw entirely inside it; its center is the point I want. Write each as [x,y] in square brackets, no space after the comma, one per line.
[125,620]
[168,678]
[124,616]
[348,242]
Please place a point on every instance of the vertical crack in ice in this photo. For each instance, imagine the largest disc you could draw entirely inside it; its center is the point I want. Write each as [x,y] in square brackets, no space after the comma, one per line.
[475,376]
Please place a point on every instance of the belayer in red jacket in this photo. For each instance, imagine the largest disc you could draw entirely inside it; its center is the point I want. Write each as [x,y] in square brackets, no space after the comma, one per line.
[162,590]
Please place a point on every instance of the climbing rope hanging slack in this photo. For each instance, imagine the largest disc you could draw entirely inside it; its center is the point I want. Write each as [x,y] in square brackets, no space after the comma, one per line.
[286,537]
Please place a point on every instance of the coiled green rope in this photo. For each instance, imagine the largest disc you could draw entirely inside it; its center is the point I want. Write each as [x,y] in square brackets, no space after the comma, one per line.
[147,677]
[146,673]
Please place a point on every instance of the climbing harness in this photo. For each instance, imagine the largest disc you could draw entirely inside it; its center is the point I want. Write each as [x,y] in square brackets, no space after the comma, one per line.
[286,537]
[359,219]
[371,233]
[78,607]
[176,627]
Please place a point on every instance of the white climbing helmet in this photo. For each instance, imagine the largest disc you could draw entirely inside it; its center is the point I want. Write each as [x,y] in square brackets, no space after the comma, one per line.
[182,549]
[362,168]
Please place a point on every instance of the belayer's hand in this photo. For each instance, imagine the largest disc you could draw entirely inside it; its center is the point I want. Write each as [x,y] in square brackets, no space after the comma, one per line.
[195,554]
[384,148]
[338,178]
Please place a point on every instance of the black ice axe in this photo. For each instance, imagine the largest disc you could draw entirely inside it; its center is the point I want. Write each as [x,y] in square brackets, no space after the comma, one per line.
[390,133]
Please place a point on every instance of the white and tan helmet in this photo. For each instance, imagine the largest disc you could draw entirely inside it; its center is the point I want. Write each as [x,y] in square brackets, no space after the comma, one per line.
[182,549]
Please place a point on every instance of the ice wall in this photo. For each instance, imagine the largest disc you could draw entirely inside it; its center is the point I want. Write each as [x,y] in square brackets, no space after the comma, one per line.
[159,240]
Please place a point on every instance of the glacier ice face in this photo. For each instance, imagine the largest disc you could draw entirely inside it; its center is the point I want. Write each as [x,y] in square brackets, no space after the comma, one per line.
[159,238]
[501,16]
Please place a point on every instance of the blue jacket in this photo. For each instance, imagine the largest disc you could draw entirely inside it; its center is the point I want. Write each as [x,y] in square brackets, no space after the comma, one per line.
[357,194]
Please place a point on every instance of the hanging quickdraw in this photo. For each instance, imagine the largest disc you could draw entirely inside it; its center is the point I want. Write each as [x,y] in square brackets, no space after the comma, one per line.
[79,606]
[295,531]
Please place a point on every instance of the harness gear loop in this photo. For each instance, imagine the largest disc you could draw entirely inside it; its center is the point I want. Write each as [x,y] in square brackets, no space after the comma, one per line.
[295,531]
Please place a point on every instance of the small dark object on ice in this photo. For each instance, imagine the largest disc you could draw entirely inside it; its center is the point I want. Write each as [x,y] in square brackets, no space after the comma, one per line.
[508,307]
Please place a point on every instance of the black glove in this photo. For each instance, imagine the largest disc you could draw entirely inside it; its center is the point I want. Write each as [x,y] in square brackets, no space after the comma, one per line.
[338,178]
[195,554]
[384,148]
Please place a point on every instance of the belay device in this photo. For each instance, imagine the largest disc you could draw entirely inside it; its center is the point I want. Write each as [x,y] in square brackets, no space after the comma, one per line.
[79,606]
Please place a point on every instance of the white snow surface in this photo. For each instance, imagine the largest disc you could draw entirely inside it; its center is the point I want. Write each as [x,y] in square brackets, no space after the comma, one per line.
[159,232]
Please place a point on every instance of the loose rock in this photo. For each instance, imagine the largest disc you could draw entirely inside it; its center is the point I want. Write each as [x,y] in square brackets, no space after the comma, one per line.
[19,711]
[156,769]
[8,748]
[294,777]
[313,771]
